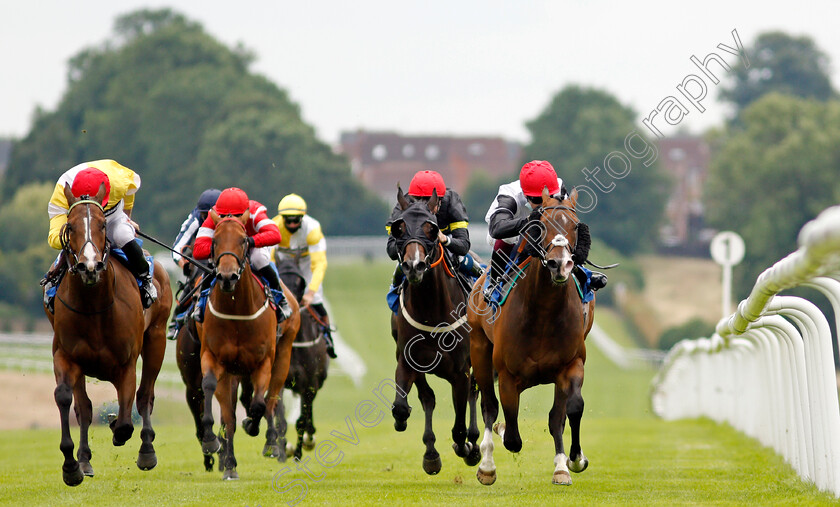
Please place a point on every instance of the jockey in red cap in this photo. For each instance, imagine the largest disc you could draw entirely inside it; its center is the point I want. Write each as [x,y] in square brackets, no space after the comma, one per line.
[121,183]
[262,234]
[452,221]
[515,205]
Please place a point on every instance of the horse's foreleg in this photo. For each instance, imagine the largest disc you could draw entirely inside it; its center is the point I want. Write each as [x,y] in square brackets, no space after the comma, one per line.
[307,402]
[225,395]
[190,366]
[404,379]
[556,425]
[84,416]
[257,408]
[481,356]
[66,376]
[460,392]
[574,408]
[154,347]
[431,459]
[474,456]
[209,441]
[122,426]
[279,450]
[509,396]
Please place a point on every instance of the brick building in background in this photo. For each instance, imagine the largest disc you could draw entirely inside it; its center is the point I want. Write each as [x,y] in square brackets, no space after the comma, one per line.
[686,160]
[381,159]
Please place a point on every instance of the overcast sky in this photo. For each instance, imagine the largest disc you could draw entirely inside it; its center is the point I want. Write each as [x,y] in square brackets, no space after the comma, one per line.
[449,67]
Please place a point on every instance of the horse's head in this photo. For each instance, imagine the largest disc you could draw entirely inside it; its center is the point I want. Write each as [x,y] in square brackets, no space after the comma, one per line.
[555,236]
[416,232]
[230,248]
[83,236]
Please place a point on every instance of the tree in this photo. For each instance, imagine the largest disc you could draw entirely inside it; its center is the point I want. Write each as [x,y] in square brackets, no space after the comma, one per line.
[773,174]
[576,132]
[169,101]
[480,192]
[780,63]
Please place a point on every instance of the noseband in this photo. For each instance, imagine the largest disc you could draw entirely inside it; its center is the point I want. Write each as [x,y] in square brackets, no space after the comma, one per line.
[64,238]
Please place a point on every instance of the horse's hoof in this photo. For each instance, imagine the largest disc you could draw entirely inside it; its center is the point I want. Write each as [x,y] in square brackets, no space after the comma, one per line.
[211,446]
[486,478]
[432,465]
[271,450]
[86,468]
[578,465]
[308,442]
[474,457]
[230,475]
[146,460]
[209,461]
[562,478]
[74,476]
[122,434]
[400,425]
[251,426]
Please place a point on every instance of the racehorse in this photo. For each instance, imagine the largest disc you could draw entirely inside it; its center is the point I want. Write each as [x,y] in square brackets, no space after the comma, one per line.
[536,337]
[100,328]
[430,331]
[239,338]
[308,369]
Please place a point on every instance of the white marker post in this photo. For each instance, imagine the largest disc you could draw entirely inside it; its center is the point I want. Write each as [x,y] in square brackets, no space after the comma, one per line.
[727,250]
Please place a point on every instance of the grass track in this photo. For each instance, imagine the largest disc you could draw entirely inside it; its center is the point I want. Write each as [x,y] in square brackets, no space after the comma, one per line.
[635,458]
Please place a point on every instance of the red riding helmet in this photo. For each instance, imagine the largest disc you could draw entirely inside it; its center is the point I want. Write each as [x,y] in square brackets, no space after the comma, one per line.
[424,182]
[536,175]
[232,201]
[87,182]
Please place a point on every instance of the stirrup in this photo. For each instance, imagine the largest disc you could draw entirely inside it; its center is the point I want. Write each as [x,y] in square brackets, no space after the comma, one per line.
[284,311]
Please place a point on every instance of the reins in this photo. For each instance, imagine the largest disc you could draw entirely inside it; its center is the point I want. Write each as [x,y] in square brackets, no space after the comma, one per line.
[441,259]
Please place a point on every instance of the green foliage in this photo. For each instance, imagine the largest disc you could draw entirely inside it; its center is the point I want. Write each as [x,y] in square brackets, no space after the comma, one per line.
[169,101]
[780,63]
[577,130]
[772,175]
[24,217]
[694,328]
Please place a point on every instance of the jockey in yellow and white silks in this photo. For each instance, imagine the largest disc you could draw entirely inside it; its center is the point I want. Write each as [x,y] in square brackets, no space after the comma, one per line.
[304,243]
[121,184]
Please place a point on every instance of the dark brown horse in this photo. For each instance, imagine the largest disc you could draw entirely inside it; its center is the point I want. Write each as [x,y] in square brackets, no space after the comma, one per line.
[430,331]
[100,329]
[239,338]
[536,338]
[307,371]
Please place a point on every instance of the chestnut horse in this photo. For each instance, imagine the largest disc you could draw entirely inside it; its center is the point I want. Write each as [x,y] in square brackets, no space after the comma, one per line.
[430,331]
[537,337]
[239,337]
[100,328]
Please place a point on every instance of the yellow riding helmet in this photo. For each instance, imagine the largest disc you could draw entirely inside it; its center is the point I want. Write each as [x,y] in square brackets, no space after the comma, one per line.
[292,204]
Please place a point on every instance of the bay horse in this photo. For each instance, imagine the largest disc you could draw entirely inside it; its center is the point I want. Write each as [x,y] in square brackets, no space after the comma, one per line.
[307,370]
[99,330]
[430,331]
[537,337]
[240,338]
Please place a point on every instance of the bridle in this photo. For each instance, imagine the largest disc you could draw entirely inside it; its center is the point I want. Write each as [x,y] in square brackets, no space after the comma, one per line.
[64,238]
[559,240]
[241,261]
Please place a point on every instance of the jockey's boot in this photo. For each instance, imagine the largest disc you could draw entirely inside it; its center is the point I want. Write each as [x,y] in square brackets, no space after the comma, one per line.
[51,280]
[598,280]
[393,296]
[497,262]
[201,300]
[284,311]
[322,313]
[140,269]
[469,267]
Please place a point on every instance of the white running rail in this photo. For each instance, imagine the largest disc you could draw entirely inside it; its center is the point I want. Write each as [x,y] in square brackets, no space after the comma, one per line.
[768,370]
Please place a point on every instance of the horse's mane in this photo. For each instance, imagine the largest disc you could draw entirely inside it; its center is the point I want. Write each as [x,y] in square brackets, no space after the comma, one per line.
[292,277]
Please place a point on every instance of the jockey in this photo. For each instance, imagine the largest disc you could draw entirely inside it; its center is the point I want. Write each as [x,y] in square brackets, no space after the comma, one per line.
[184,243]
[516,204]
[304,243]
[452,221]
[121,183]
[262,233]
